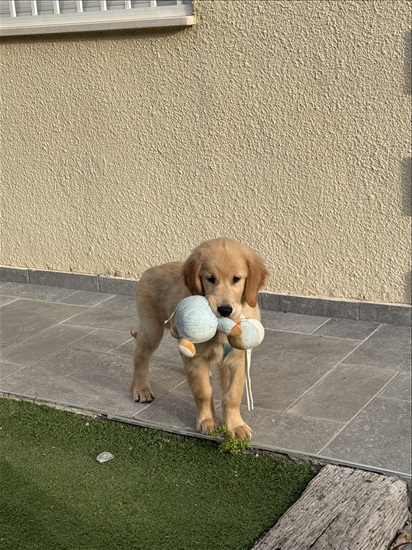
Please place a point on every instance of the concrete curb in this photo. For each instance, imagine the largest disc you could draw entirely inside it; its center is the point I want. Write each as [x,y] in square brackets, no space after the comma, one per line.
[393,314]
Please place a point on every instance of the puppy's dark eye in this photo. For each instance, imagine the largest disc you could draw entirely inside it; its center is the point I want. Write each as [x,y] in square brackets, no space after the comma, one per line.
[236,280]
[211,279]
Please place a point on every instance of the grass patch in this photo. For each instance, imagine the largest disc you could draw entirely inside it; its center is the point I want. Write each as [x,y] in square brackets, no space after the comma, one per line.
[160,491]
[228,443]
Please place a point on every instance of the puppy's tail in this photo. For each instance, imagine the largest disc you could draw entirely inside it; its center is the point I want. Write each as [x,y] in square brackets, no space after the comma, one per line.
[134,333]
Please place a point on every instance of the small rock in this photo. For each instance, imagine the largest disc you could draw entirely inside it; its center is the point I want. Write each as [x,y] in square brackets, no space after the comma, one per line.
[104,457]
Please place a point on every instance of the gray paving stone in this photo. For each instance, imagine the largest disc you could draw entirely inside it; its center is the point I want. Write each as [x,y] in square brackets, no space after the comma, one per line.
[279,390]
[173,409]
[34,292]
[342,393]
[389,347]
[184,388]
[50,340]
[278,348]
[167,350]
[102,340]
[117,313]
[127,348]
[7,300]
[216,387]
[100,381]
[107,396]
[291,322]
[6,369]
[25,318]
[285,365]
[399,388]
[347,328]
[29,381]
[91,380]
[380,435]
[125,304]
[289,431]
[84,298]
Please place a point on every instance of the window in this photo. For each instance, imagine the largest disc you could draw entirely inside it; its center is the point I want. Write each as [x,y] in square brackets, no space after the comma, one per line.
[22,17]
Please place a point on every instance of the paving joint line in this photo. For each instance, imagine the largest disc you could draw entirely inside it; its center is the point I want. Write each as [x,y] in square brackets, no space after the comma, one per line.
[358,413]
[322,325]
[332,369]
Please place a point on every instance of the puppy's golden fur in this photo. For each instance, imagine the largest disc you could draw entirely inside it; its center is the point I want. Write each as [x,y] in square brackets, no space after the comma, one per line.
[229,275]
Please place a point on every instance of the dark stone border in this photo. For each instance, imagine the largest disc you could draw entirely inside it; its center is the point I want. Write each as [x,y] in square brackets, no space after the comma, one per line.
[75,281]
[393,314]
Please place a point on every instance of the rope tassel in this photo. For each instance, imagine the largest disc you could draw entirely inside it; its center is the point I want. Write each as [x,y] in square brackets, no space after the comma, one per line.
[249,395]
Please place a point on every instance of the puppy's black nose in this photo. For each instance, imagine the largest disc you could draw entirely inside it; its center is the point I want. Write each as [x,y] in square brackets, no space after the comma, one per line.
[224,311]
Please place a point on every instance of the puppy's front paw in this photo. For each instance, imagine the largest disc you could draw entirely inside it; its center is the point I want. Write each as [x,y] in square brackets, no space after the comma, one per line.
[143,395]
[207,425]
[242,430]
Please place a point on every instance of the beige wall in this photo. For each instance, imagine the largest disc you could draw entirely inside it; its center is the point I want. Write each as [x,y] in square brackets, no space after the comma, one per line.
[284,124]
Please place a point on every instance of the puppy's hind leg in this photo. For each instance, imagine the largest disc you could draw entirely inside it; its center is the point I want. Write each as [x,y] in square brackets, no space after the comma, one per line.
[147,341]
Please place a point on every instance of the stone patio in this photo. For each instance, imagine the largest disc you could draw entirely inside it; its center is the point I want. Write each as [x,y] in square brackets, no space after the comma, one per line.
[326,388]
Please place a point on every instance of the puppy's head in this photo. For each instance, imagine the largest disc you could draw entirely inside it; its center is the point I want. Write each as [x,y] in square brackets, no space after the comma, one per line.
[227,273]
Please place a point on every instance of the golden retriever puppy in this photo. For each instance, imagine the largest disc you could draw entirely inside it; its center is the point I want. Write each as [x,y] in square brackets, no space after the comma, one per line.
[229,275]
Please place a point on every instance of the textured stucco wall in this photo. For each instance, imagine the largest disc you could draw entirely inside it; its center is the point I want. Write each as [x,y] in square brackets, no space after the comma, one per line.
[282,123]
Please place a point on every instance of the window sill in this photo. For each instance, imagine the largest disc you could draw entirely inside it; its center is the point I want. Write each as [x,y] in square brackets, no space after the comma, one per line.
[181,17]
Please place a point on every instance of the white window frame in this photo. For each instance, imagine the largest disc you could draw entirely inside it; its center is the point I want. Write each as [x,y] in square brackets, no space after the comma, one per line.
[180,15]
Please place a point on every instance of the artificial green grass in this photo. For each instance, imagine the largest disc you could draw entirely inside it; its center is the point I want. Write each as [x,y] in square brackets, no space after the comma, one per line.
[161,491]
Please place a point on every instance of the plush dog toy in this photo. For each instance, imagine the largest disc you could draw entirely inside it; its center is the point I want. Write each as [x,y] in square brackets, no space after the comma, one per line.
[195,322]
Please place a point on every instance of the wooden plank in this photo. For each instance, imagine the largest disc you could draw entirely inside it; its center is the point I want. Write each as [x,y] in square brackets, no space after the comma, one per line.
[342,509]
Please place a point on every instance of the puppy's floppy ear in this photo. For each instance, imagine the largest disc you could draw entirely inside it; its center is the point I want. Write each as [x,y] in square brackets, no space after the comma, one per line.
[191,274]
[255,279]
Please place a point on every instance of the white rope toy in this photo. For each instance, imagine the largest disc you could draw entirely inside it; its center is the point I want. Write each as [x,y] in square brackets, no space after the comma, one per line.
[249,395]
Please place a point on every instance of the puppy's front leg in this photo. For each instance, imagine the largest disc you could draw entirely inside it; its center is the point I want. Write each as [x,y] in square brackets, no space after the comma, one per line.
[232,378]
[198,373]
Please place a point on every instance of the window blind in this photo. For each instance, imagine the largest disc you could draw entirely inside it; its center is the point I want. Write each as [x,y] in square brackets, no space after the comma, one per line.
[21,17]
